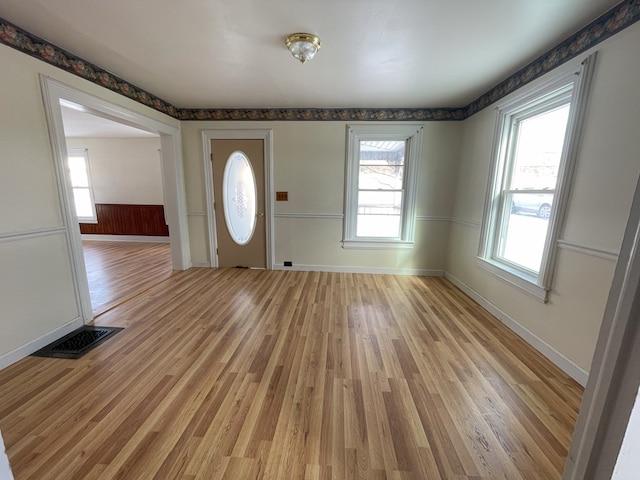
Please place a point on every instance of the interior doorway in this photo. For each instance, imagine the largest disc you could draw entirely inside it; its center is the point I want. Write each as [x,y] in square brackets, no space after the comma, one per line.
[116,176]
[56,95]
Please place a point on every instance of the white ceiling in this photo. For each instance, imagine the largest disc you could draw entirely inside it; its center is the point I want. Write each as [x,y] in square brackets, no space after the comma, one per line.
[376,53]
[78,123]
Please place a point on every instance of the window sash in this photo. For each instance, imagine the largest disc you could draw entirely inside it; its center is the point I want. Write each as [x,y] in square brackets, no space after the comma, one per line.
[392,195]
[372,176]
[85,185]
[571,84]
[83,203]
[402,236]
[546,103]
[78,171]
[369,210]
[504,227]
[358,227]
[502,218]
[513,122]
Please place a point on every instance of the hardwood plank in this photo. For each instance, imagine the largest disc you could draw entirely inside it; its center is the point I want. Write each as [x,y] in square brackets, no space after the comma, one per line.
[233,373]
[117,271]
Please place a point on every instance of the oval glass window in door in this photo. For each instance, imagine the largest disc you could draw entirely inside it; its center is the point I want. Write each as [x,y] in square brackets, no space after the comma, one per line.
[239,197]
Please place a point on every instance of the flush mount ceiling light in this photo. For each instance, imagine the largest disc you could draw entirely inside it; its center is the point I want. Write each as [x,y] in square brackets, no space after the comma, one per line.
[303,46]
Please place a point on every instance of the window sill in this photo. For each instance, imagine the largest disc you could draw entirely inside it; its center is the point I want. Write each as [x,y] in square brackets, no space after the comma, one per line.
[377,244]
[526,283]
[87,220]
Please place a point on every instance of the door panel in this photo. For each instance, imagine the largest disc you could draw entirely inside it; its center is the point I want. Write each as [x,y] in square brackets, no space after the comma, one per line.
[230,253]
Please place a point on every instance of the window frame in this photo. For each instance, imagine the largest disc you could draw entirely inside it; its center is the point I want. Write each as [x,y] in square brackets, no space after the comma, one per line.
[533,101]
[411,135]
[82,152]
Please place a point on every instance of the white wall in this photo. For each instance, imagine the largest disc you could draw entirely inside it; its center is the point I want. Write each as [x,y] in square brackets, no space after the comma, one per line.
[37,292]
[606,173]
[124,170]
[309,163]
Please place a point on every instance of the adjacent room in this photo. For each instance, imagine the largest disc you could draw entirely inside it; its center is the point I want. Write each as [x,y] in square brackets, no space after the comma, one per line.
[394,246]
[118,193]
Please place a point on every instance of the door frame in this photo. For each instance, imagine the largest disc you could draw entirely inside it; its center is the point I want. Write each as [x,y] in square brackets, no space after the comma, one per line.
[613,384]
[53,92]
[266,135]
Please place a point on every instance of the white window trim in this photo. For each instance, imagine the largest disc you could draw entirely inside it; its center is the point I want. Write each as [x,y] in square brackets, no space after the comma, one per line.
[82,152]
[539,285]
[412,135]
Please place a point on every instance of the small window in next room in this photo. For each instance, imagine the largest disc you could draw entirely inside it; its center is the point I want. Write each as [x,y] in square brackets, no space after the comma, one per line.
[78,162]
[535,149]
[381,177]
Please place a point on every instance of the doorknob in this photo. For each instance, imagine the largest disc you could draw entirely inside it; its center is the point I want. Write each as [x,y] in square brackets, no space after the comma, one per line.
[260,215]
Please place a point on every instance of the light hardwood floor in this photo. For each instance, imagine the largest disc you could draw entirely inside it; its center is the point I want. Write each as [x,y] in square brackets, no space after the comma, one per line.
[248,374]
[120,270]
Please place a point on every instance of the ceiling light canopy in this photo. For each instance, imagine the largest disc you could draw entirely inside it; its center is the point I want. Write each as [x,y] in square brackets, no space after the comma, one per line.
[303,46]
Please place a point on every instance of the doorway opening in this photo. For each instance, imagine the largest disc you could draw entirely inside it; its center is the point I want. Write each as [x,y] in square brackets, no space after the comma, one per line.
[68,112]
[116,176]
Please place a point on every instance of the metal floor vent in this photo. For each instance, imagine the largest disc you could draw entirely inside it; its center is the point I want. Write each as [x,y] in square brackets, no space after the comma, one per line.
[77,343]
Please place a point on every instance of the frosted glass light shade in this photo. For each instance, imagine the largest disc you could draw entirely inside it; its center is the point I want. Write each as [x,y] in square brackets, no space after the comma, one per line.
[303,46]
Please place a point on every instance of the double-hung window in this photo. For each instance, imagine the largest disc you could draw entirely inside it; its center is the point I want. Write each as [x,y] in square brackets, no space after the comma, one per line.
[78,162]
[535,148]
[380,191]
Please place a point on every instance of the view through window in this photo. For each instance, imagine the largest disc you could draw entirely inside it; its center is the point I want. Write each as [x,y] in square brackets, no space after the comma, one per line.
[530,186]
[381,185]
[380,188]
[81,184]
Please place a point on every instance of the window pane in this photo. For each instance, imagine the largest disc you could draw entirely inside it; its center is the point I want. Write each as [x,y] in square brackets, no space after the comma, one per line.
[239,198]
[379,203]
[378,226]
[538,150]
[537,204]
[379,214]
[78,171]
[380,177]
[524,229]
[382,152]
[83,202]
[381,168]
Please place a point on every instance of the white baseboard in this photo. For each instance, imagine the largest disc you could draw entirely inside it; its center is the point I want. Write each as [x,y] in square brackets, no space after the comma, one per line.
[27,349]
[375,270]
[557,358]
[125,238]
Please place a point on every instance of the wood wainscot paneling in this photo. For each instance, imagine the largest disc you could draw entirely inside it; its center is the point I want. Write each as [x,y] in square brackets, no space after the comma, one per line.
[121,219]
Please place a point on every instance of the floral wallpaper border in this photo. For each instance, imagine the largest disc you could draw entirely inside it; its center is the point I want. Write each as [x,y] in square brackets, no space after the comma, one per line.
[325,114]
[25,42]
[615,20]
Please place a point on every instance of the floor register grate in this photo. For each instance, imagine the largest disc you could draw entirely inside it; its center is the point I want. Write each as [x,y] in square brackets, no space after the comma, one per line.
[77,343]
